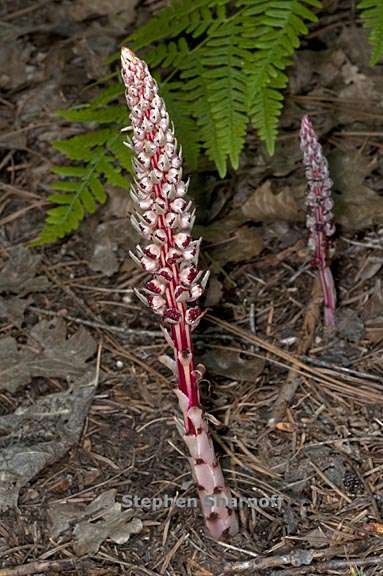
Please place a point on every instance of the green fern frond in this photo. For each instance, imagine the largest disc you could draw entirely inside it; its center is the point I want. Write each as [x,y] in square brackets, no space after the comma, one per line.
[266,110]
[83,186]
[372,16]
[194,17]
[215,89]
[273,28]
[109,94]
[168,55]
[115,114]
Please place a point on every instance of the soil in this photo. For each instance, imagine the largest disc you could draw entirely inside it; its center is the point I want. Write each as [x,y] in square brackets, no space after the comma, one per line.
[296,412]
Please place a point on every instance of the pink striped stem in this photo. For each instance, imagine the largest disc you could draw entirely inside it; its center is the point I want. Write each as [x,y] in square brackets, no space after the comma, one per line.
[320,219]
[165,218]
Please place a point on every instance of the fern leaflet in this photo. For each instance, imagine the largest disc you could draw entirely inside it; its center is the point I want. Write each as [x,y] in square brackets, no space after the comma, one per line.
[372,15]
[182,16]
[273,28]
[215,87]
[84,186]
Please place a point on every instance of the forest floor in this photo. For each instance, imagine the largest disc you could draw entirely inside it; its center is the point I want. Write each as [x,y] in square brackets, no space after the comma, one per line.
[88,416]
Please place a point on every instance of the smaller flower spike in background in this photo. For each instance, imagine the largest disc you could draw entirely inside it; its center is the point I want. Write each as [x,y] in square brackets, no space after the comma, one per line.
[319,215]
[164,219]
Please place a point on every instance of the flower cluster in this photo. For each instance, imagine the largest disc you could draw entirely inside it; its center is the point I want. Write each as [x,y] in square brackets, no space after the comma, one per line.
[319,201]
[164,218]
[319,213]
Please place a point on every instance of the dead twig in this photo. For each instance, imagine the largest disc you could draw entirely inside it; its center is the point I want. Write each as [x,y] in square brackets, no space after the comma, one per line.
[324,567]
[40,566]
[172,552]
[10,189]
[99,325]
[300,558]
[24,11]
[289,387]
[21,212]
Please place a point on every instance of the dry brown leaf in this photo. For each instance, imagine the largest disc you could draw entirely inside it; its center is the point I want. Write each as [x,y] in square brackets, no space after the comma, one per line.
[363,211]
[221,229]
[214,292]
[13,309]
[358,87]
[104,257]
[266,205]
[356,205]
[229,363]
[108,238]
[101,519]
[19,273]
[245,244]
[48,354]
[38,435]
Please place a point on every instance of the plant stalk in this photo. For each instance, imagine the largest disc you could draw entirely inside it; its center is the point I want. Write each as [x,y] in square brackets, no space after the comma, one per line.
[165,219]
[320,219]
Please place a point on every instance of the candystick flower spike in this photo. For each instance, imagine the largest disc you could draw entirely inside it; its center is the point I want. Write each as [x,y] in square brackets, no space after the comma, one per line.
[170,255]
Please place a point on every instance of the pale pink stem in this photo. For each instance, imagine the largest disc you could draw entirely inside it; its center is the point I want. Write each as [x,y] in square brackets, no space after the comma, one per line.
[171,256]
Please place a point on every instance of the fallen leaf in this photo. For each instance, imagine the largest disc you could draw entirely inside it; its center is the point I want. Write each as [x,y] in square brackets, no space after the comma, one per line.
[358,87]
[93,524]
[94,51]
[356,205]
[18,275]
[220,229]
[108,238]
[14,369]
[265,204]
[214,292]
[37,436]
[354,43]
[56,356]
[104,258]
[13,309]
[245,244]
[120,205]
[230,364]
